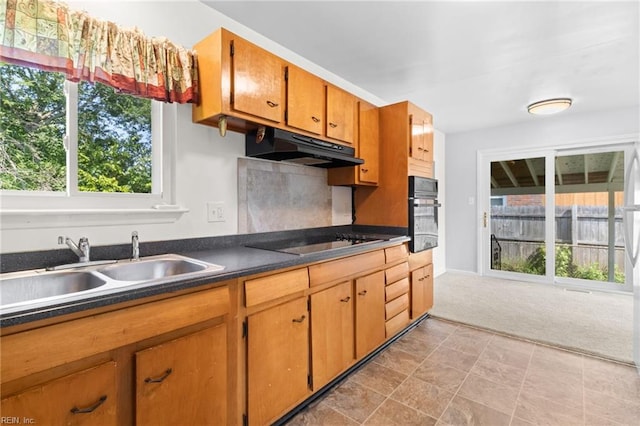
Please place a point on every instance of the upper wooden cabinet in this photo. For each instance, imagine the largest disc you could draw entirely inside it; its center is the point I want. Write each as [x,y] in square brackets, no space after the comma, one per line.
[368,148]
[256,81]
[248,86]
[404,128]
[238,81]
[305,100]
[341,109]
[421,123]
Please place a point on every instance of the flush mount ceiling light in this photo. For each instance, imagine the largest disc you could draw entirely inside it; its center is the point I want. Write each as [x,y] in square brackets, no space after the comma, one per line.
[549,106]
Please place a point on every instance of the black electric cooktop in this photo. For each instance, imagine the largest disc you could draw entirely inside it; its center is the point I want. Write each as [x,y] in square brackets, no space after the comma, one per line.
[310,245]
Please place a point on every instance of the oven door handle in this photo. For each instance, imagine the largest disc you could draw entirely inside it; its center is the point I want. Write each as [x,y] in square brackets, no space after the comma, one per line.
[425,202]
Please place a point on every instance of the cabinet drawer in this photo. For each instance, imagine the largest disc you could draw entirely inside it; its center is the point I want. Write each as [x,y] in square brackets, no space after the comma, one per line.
[397,272]
[46,347]
[397,289]
[423,258]
[57,401]
[397,323]
[275,286]
[396,306]
[393,254]
[343,268]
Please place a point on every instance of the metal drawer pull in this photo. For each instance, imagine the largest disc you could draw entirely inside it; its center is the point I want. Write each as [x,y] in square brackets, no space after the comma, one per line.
[364,170]
[363,292]
[301,319]
[76,410]
[315,119]
[346,299]
[333,125]
[272,104]
[159,379]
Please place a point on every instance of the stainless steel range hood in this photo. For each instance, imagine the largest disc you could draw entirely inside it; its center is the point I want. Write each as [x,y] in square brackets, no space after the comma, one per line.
[281,145]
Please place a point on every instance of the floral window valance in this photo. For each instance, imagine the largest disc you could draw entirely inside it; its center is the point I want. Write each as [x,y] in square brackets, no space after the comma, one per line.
[49,36]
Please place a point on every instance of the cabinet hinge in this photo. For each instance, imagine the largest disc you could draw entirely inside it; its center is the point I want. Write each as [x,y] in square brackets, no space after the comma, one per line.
[308,305]
[286,74]
[231,98]
[231,50]
[245,420]
[286,115]
[310,381]
[245,329]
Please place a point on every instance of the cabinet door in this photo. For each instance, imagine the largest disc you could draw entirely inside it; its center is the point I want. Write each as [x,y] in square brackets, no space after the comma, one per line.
[183,381]
[370,318]
[421,291]
[368,143]
[305,100]
[84,398]
[256,81]
[332,341]
[277,360]
[340,114]
[417,137]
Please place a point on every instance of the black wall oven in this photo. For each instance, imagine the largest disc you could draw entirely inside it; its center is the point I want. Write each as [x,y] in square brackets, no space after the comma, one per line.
[423,213]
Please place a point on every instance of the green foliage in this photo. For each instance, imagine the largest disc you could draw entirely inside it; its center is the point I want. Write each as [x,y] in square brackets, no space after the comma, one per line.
[535,264]
[32,127]
[114,135]
[114,141]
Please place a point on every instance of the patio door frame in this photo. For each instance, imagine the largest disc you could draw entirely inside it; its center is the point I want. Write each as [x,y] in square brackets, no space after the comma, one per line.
[484,160]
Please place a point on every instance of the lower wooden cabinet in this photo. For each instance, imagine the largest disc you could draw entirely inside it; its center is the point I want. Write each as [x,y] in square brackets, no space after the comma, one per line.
[332,333]
[421,290]
[183,381]
[87,397]
[160,362]
[370,301]
[277,360]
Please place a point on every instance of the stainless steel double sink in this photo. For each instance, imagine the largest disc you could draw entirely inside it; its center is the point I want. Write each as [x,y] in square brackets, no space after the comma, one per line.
[35,286]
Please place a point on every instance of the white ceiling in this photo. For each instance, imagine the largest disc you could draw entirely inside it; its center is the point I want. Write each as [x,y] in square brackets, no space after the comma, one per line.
[472,64]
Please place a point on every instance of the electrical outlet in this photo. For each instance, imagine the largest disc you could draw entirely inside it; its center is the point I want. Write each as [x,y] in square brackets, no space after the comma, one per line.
[215,211]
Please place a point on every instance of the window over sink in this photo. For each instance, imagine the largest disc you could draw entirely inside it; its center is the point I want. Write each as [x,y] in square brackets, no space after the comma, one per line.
[68,147]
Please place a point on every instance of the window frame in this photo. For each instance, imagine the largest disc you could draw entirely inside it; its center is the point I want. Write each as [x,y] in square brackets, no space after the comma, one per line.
[39,209]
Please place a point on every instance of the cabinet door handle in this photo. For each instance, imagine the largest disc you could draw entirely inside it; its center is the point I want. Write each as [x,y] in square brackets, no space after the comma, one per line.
[364,170]
[301,319]
[159,379]
[76,410]
[421,279]
[420,148]
[333,125]
[346,299]
[272,104]
[363,293]
[315,119]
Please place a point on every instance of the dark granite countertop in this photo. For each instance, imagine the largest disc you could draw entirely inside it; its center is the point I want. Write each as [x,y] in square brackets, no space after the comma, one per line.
[232,252]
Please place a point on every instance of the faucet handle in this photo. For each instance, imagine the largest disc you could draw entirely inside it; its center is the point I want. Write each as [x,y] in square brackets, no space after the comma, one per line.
[60,239]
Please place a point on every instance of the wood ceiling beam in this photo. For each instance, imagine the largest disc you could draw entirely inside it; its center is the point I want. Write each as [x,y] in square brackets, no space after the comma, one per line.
[612,167]
[586,169]
[558,172]
[532,170]
[509,173]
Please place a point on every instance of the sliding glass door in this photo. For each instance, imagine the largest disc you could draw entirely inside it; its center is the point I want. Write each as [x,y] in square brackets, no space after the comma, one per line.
[556,216]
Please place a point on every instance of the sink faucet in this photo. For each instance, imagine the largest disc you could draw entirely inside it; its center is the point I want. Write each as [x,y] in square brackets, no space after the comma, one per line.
[135,246]
[82,249]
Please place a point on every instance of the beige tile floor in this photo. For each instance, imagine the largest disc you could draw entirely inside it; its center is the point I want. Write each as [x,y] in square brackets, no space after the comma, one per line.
[443,373]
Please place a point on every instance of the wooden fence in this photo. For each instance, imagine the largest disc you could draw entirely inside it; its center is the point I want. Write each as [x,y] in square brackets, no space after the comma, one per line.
[520,231]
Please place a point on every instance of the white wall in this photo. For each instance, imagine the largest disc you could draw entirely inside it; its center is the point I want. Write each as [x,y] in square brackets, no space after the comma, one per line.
[206,164]
[439,253]
[461,152]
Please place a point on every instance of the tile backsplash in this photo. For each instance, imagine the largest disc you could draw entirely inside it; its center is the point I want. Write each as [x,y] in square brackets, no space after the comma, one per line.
[276,196]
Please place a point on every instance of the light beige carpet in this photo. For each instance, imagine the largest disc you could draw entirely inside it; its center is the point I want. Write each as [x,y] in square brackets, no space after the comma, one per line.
[595,323]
